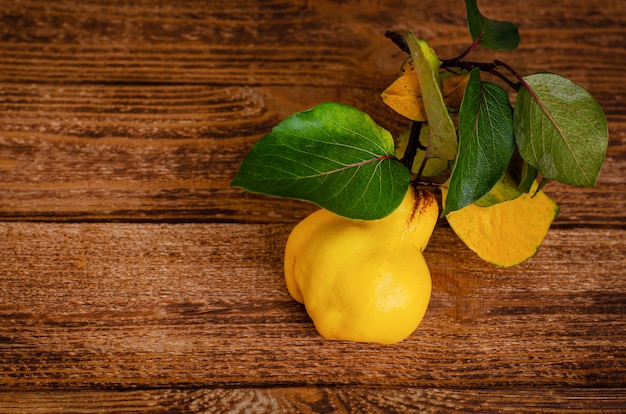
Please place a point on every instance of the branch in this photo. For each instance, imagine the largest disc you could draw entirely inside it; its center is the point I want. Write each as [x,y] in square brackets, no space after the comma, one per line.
[413,145]
[398,40]
[469,49]
[489,67]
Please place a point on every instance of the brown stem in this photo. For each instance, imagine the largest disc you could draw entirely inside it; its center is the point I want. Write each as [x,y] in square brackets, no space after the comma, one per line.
[469,49]
[413,145]
[398,40]
[421,170]
[489,67]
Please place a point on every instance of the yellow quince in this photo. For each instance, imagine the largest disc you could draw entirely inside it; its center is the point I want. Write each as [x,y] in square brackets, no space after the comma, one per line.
[364,281]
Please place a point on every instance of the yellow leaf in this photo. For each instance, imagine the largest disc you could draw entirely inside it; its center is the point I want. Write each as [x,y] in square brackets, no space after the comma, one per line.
[504,190]
[507,233]
[405,97]
[453,89]
[407,66]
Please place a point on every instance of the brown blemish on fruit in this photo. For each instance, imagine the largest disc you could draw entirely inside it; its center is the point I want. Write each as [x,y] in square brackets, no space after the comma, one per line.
[422,202]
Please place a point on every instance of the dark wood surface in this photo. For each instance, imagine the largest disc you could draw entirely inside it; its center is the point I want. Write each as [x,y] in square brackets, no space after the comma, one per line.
[134,279]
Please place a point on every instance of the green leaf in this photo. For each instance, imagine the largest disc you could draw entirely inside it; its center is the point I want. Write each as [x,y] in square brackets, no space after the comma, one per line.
[332,155]
[493,34]
[486,142]
[442,142]
[560,129]
[527,177]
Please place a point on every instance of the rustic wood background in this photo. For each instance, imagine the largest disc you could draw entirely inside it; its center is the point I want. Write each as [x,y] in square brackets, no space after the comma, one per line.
[134,279]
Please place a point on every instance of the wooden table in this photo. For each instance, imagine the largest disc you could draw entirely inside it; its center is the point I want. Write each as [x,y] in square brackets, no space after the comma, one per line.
[134,279]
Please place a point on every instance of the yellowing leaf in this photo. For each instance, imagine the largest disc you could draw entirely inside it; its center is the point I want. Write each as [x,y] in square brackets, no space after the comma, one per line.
[433,167]
[407,65]
[506,189]
[442,142]
[405,97]
[453,89]
[507,233]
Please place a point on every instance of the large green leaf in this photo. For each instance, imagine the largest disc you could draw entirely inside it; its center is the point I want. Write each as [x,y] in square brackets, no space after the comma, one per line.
[493,34]
[560,129]
[332,155]
[442,142]
[486,142]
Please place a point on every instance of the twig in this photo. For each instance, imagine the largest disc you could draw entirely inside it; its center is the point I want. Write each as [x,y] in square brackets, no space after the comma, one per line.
[413,145]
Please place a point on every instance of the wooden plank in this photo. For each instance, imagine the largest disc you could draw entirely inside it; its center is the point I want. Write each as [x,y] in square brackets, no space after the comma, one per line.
[47,177]
[321,400]
[123,305]
[134,279]
[280,42]
[155,127]
[191,43]
[169,153]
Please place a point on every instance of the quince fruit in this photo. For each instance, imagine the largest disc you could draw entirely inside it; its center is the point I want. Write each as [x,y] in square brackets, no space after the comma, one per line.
[364,281]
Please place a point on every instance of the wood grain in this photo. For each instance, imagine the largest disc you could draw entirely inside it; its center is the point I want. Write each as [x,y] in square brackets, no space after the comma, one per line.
[133,278]
[105,153]
[158,124]
[323,400]
[123,305]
